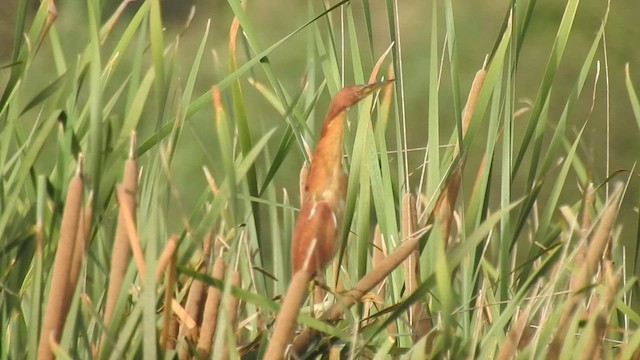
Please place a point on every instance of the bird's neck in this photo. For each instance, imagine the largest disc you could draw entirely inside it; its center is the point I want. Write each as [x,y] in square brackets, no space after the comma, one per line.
[326,163]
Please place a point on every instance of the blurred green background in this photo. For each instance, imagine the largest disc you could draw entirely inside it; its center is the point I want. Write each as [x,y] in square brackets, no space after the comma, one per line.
[477,26]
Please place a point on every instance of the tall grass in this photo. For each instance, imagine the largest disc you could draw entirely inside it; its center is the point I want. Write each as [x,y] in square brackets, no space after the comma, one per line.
[497,237]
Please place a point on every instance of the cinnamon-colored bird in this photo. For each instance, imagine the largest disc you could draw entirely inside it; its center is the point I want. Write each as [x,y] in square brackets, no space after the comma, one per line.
[315,237]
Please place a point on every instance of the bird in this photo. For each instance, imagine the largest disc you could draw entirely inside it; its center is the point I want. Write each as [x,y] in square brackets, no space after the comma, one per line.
[315,236]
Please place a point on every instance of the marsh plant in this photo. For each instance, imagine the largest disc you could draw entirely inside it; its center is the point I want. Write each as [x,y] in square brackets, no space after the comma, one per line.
[171,191]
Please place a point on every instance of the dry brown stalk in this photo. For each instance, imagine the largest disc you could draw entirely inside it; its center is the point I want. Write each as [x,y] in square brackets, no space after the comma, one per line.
[379,253]
[472,100]
[52,15]
[114,18]
[588,198]
[447,200]
[120,250]
[334,352]
[286,319]
[181,314]
[173,333]
[167,255]
[418,319]
[210,315]
[593,345]
[232,312]
[599,242]
[368,282]
[410,265]
[57,304]
[168,299]
[583,279]
[130,227]
[195,302]
[510,346]
[283,328]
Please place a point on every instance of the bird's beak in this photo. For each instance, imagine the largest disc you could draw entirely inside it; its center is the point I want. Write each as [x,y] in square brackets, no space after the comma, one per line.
[368,89]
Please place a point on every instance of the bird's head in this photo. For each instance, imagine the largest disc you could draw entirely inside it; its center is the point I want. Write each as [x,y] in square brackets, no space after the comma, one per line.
[351,95]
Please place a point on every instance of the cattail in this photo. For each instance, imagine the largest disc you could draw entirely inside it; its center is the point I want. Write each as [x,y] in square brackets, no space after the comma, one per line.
[120,250]
[598,242]
[210,315]
[447,199]
[585,274]
[167,255]
[232,312]
[58,302]
[195,302]
[595,333]
[515,334]
[130,227]
[82,237]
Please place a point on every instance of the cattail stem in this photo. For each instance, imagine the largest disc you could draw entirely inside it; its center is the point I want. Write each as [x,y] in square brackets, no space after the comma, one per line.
[168,299]
[286,320]
[167,255]
[368,282]
[418,319]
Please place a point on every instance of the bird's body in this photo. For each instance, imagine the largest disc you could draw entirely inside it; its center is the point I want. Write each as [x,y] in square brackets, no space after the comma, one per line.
[315,237]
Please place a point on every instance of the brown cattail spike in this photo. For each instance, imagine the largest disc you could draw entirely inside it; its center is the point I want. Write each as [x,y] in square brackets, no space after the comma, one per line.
[58,302]
[210,315]
[120,250]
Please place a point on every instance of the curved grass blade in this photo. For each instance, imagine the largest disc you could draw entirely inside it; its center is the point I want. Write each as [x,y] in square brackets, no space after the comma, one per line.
[45,93]
[205,99]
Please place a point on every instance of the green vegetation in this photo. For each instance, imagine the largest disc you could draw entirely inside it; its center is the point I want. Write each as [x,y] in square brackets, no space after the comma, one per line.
[147,202]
